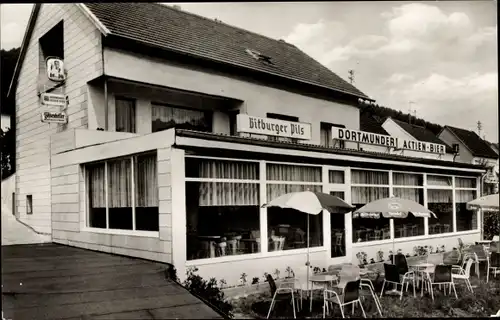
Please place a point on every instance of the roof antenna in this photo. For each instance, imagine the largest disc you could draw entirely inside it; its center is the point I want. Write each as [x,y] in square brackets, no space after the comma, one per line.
[410,111]
[479,127]
[351,75]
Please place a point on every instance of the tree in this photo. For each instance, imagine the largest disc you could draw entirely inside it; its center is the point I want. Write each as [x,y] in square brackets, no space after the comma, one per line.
[7,140]
[8,60]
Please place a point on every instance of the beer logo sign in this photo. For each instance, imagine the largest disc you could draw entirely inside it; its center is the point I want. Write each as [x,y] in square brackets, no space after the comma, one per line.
[55,69]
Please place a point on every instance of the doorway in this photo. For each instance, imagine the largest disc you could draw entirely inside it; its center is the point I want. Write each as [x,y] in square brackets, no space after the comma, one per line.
[339,244]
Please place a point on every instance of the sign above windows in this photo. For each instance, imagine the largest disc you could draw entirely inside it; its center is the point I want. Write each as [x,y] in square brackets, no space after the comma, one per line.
[385,140]
[273,127]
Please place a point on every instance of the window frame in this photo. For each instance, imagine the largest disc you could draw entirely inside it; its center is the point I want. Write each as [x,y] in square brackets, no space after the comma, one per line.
[328,127]
[208,114]
[107,230]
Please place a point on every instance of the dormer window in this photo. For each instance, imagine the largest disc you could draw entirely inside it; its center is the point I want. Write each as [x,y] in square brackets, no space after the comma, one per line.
[259,56]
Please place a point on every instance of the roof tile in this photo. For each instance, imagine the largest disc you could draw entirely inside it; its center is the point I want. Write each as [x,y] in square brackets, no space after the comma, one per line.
[422,134]
[476,145]
[173,29]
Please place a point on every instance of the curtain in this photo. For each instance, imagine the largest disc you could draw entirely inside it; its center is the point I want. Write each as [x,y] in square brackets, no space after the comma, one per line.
[439,196]
[413,194]
[465,183]
[168,115]
[273,191]
[228,194]
[97,187]
[336,176]
[438,180]
[220,169]
[326,136]
[125,115]
[281,172]
[369,177]
[407,179]
[464,196]
[120,183]
[364,195]
[146,181]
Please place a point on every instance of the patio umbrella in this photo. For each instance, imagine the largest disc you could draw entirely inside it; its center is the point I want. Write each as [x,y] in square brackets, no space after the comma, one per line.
[391,208]
[311,203]
[486,203]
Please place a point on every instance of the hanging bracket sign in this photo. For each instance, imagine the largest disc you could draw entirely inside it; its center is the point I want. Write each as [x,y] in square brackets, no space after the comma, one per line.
[54,100]
[55,69]
[54,117]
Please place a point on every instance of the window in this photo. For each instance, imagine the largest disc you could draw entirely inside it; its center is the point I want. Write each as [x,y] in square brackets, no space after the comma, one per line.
[51,45]
[113,204]
[441,203]
[442,181]
[287,228]
[222,208]
[326,139]
[408,186]
[410,226]
[29,204]
[336,176]
[166,117]
[284,118]
[125,115]
[373,185]
[465,191]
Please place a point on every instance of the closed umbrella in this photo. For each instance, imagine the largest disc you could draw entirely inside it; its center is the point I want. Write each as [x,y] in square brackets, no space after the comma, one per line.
[486,203]
[311,203]
[391,208]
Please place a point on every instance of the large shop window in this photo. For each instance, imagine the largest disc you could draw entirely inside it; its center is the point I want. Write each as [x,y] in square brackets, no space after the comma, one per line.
[125,115]
[287,228]
[111,197]
[441,203]
[366,229]
[466,219]
[165,117]
[408,186]
[222,208]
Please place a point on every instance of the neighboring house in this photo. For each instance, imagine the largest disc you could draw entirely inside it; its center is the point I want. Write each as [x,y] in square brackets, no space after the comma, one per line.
[180,128]
[473,149]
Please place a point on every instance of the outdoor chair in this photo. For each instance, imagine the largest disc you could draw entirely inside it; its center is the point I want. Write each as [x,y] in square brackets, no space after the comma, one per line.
[442,276]
[480,256]
[493,264]
[386,234]
[338,242]
[452,258]
[349,296]
[435,259]
[285,293]
[393,276]
[464,274]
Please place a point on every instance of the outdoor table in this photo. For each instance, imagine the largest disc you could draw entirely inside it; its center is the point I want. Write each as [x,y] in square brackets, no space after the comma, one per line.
[211,241]
[420,268]
[322,280]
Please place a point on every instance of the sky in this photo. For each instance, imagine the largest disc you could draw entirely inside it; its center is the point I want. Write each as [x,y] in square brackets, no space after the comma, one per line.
[441,56]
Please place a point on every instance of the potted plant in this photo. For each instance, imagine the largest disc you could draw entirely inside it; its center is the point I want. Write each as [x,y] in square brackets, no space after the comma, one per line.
[380,256]
[361,256]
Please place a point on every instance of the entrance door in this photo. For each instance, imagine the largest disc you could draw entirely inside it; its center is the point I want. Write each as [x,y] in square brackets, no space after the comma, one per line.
[339,244]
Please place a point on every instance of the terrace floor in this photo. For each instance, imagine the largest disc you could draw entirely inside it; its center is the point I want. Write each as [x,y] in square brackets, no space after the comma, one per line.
[50,281]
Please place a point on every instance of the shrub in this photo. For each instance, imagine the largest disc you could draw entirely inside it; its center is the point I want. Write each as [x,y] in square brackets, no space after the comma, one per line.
[491,224]
[207,290]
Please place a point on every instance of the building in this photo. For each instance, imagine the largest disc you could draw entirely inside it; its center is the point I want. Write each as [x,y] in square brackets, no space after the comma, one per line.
[472,149]
[176,136]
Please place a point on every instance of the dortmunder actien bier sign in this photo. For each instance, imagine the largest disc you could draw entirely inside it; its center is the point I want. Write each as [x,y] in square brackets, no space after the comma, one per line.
[273,127]
[385,140]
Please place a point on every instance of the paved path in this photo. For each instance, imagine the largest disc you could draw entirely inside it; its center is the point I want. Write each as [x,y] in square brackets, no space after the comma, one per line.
[51,281]
[14,232]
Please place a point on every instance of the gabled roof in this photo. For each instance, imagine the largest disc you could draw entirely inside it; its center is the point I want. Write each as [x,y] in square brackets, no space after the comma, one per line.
[422,134]
[368,123]
[178,31]
[477,146]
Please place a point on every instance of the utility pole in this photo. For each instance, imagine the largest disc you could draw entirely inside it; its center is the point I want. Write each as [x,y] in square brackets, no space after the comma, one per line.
[479,127]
